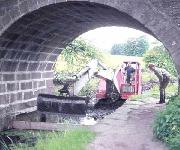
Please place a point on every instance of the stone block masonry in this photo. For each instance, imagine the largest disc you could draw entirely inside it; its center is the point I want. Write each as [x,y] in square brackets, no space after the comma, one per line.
[18,92]
[34,32]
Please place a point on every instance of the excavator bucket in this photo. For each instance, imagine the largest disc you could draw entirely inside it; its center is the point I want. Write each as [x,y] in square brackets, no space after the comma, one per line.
[62,104]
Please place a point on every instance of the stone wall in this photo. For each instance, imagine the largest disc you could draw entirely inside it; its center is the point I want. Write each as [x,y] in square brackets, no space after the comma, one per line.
[34,32]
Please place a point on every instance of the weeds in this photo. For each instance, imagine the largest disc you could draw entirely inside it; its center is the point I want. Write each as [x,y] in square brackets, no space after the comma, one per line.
[3,145]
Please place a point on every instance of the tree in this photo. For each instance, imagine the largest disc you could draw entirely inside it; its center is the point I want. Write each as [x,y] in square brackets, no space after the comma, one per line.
[75,56]
[118,49]
[133,47]
[161,58]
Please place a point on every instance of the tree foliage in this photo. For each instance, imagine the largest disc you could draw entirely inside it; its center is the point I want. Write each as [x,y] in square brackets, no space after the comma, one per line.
[76,55]
[79,50]
[133,47]
[161,58]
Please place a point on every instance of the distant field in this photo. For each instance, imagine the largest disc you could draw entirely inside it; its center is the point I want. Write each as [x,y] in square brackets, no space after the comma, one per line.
[116,60]
[112,61]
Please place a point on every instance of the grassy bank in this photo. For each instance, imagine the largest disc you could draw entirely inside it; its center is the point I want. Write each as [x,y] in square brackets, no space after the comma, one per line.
[172,89]
[167,124]
[76,139]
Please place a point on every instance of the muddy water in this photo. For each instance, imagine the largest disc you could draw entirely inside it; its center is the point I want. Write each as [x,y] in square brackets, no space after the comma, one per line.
[7,140]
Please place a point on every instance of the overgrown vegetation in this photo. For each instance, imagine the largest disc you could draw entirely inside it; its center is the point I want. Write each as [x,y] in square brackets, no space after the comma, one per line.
[90,88]
[167,124]
[69,140]
[161,58]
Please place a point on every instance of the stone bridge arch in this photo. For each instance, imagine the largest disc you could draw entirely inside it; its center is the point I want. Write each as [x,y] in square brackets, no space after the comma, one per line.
[34,32]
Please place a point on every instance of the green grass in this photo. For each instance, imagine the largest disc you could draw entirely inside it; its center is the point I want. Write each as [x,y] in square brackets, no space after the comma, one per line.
[172,89]
[76,139]
[154,92]
[70,140]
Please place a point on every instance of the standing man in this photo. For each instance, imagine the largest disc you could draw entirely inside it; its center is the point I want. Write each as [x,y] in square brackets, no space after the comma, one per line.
[164,78]
[129,73]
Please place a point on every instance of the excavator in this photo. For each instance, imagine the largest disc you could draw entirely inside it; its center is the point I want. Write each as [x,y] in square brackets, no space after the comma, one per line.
[112,87]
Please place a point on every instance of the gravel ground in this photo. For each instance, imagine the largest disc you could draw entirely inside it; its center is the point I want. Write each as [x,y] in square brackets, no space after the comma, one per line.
[128,128]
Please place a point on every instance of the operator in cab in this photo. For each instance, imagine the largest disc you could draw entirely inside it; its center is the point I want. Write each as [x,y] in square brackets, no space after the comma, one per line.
[129,73]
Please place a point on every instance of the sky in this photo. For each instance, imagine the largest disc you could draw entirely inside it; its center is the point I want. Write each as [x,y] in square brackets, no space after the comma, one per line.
[104,38]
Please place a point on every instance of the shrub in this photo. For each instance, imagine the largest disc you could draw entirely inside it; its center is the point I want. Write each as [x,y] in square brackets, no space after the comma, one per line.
[90,88]
[167,124]
[174,143]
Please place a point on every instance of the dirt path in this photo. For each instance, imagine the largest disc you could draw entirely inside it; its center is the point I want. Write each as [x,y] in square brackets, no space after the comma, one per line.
[129,128]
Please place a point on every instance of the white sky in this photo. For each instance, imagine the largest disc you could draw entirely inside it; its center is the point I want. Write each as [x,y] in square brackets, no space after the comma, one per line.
[104,38]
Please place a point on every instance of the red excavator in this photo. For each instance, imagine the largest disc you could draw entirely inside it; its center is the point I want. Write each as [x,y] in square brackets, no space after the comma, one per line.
[112,87]
[117,87]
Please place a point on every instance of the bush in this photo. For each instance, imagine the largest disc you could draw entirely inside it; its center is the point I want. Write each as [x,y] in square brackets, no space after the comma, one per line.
[167,124]
[90,88]
[174,143]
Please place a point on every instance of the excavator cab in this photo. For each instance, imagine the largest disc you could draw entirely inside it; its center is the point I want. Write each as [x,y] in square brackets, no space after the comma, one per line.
[116,86]
[134,86]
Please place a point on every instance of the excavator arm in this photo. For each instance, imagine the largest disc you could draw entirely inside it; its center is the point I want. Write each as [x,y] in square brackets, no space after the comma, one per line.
[74,84]
[71,103]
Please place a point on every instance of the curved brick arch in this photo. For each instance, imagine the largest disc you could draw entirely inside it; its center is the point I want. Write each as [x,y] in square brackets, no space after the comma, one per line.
[34,32]
[161,17]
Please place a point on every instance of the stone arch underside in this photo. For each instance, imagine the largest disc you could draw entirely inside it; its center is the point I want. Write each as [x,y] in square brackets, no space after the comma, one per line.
[30,45]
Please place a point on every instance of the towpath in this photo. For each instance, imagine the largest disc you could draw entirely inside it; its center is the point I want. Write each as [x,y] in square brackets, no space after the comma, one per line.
[128,128]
